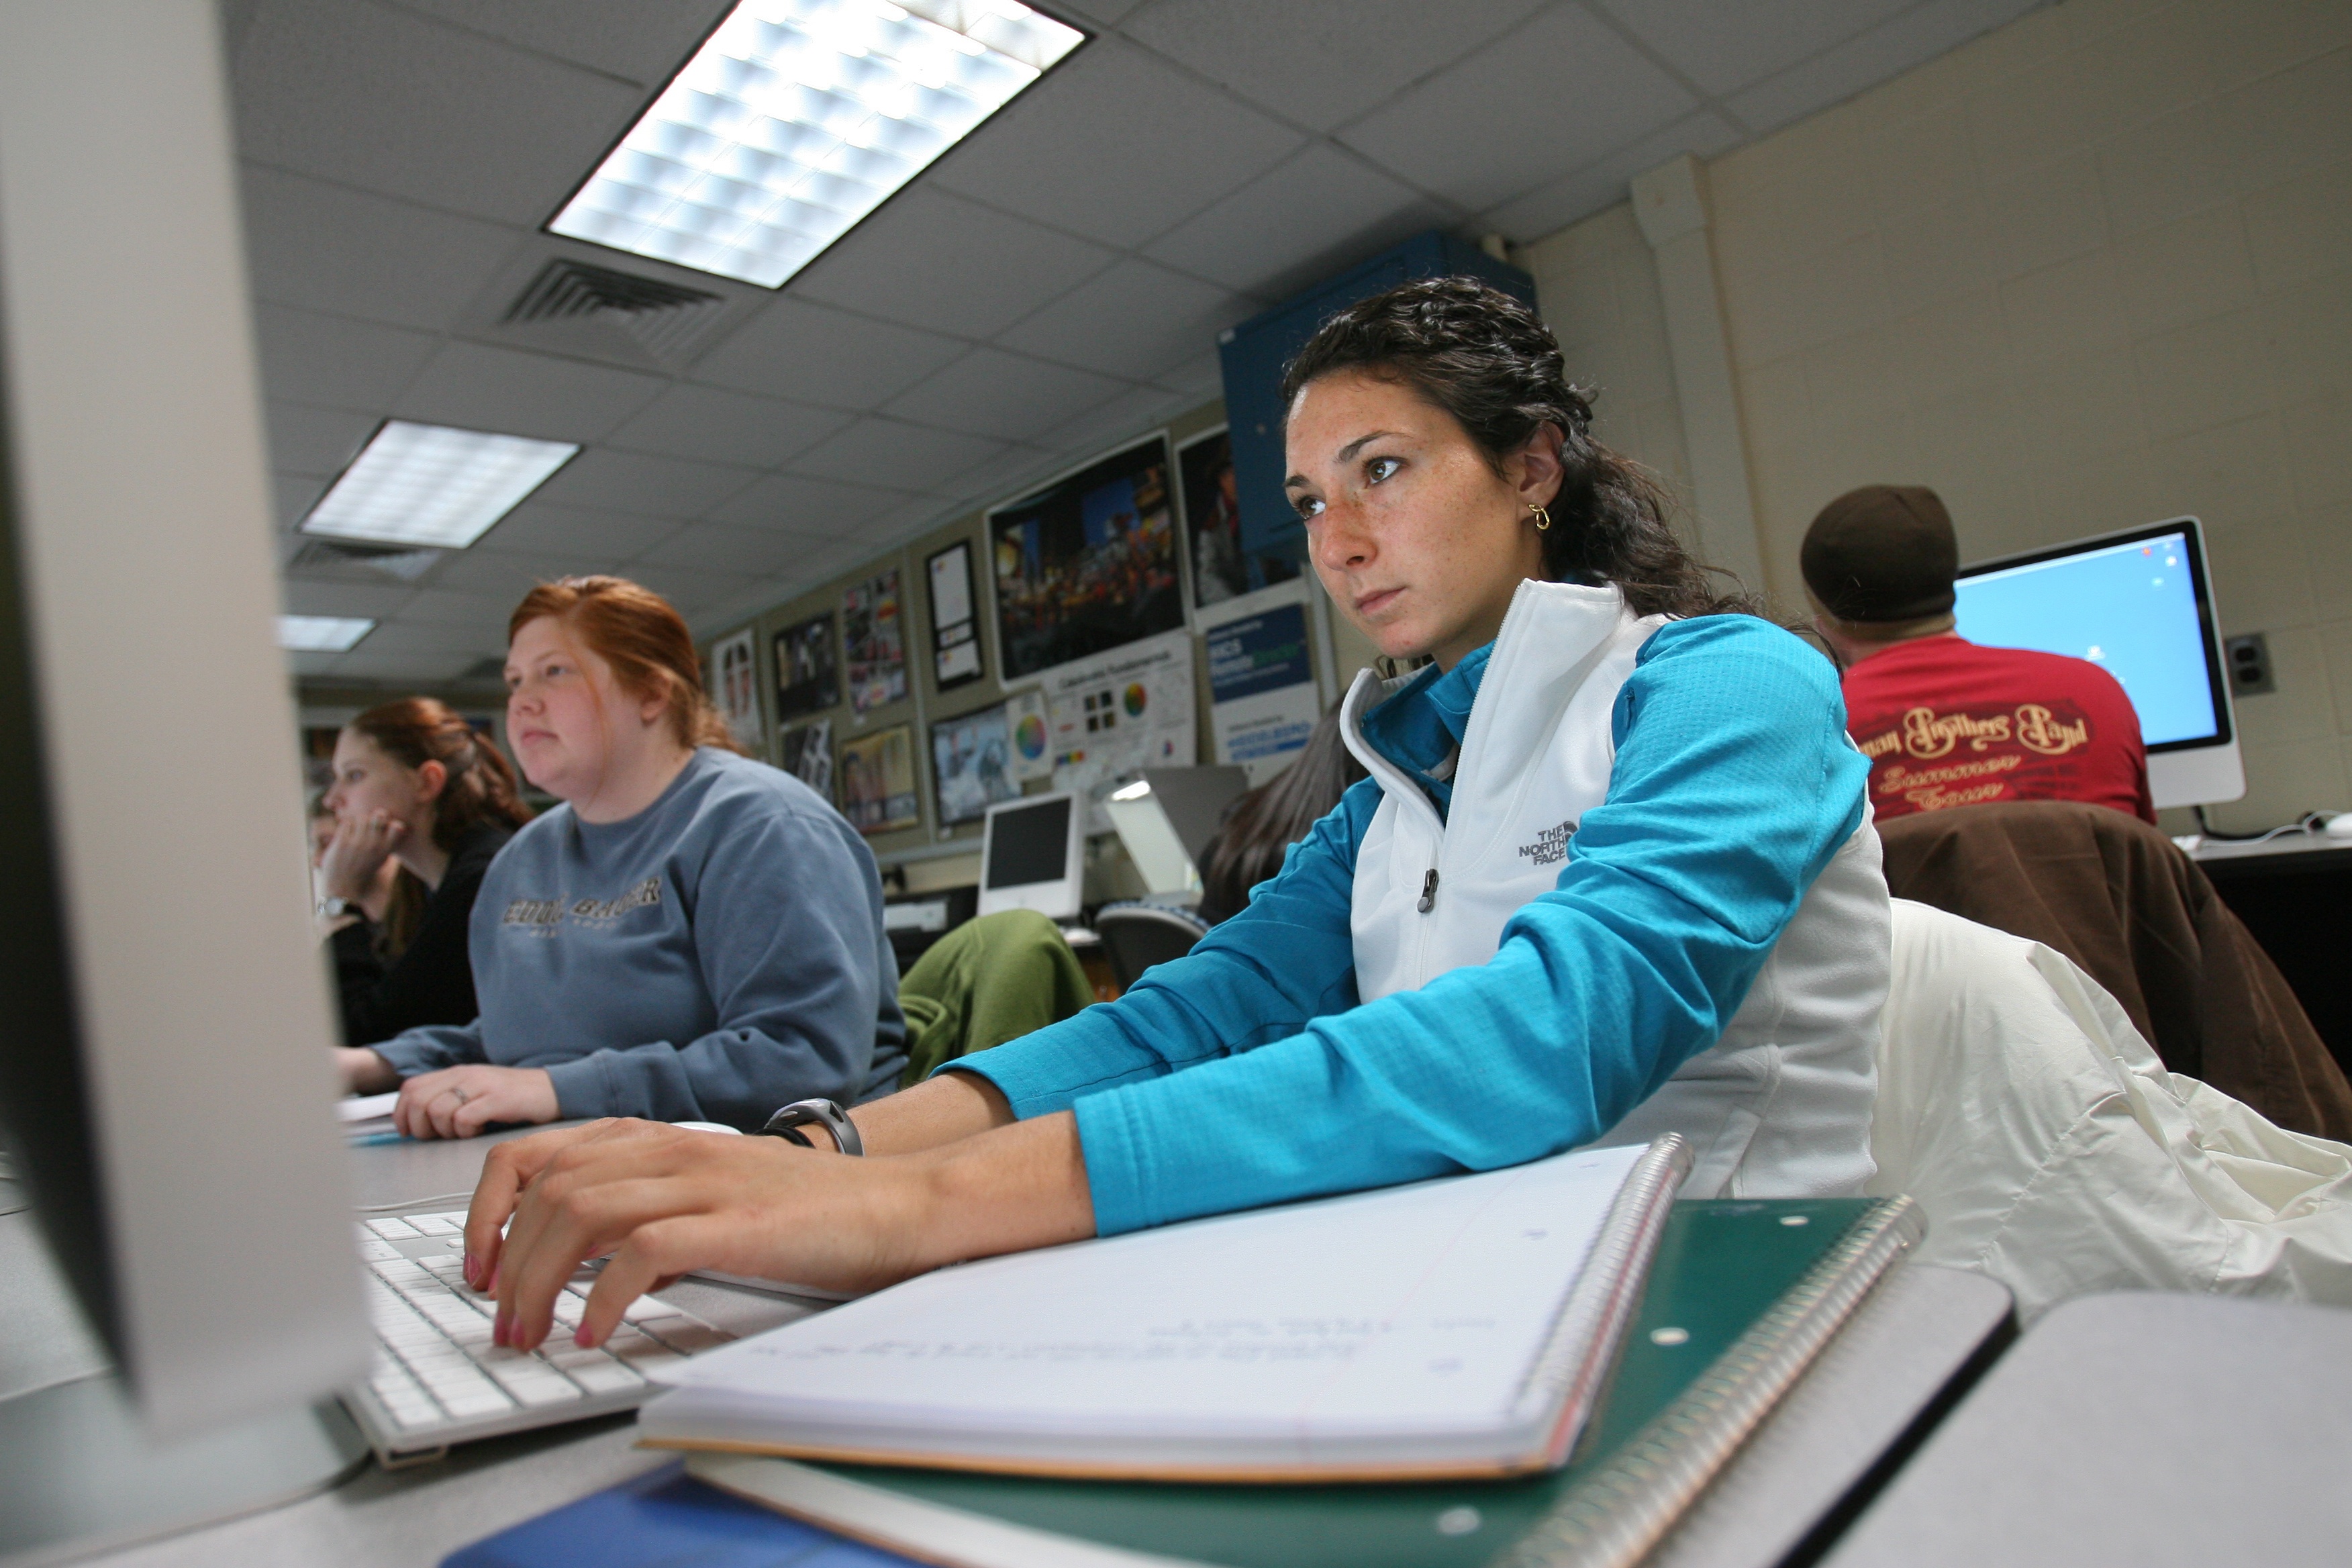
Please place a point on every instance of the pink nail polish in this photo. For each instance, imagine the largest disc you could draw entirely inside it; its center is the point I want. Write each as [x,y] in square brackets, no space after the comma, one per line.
[580,1336]
[472,1268]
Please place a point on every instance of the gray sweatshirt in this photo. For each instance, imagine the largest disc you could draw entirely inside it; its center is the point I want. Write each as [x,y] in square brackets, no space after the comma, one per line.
[715,956]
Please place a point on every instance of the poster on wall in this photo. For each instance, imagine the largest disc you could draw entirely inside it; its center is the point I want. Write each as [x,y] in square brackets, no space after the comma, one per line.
[1114,716]
[1221,569]
[808,755]
[874,644]
[877,781]
[1262,702]
[972,765]
[1026,722]
[1088,564]
[955,629]
[735,672]
[807,679]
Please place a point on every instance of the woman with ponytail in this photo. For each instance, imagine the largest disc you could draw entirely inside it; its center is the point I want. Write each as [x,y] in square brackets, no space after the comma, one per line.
[1611,876]
[417,789]
[690,936]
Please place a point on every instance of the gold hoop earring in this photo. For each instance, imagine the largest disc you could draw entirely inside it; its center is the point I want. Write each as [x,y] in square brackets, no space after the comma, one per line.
[1543,517]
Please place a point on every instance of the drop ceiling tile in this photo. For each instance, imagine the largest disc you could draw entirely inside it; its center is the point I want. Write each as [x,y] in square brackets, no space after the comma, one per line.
[440,605]
[1115,425]
[326,359]
[325,247]
[1203,376]
[911,456]
[495,575]
[538,527]
[310,665]
[423,668]
[1092,14]
[1888,49]
[818,354]
[1554,206]
[991,393]
[1011,473]
[1726,47]
[720,547]
[1135,321]
[306,440]
[689,589]
[813,509]
[363,599]
[933,259]
[1316,215]
[415,637]
[635,483]
[1322,65]
[1511,116]
[1115,146]
[393,102]
[295,494]
[518,392]
[642,40]
[722,427]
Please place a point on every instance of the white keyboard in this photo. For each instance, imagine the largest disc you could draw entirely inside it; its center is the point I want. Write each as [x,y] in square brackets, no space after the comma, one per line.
[439,1380]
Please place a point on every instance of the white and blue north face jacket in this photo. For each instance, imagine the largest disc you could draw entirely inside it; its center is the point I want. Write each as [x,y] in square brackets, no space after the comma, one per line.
[1611,877]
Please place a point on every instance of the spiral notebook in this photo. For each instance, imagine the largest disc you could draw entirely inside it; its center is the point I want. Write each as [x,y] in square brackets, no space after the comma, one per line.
[1460,1327]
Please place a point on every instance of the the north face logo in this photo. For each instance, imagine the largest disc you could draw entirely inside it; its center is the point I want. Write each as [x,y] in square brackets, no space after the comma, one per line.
[1550,847]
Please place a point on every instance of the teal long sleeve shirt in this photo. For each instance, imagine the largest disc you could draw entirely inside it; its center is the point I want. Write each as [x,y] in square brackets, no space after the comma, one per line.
[1249,1071]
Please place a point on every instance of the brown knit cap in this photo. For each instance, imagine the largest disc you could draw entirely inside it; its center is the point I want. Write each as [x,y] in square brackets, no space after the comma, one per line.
[1883,553]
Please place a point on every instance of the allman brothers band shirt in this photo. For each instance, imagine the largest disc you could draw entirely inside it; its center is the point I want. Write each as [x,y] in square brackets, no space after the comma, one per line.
[1946,723]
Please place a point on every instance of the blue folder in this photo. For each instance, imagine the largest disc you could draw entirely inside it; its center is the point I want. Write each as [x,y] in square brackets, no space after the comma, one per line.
[666,1518]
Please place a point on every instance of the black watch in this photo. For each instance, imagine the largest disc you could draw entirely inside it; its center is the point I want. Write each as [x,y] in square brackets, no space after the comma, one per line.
[787,1124]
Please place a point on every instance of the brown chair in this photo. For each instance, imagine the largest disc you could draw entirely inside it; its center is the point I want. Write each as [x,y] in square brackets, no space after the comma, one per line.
[2119,897]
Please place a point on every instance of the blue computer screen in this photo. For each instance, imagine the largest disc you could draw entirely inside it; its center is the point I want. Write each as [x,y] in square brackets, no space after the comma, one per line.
[2129,608]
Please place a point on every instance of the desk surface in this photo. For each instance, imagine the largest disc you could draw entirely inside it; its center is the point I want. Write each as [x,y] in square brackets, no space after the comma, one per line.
[1910,1340]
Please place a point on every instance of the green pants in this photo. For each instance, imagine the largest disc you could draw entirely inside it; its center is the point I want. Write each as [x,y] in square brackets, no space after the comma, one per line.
[987,981]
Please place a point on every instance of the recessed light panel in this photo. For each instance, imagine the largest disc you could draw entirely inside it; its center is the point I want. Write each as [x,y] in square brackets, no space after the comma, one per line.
[433,484]
[798,117]
[320,634]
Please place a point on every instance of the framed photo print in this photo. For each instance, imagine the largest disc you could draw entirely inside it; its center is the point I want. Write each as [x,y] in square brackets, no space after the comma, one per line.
[735,686]
[1222,568]
[808,755]
[808,680]
[877,781]
[874,643]
[972,765]
[955,627]
[1087,564]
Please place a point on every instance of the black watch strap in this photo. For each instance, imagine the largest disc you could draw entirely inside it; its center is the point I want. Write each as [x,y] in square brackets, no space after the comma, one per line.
[787,1124]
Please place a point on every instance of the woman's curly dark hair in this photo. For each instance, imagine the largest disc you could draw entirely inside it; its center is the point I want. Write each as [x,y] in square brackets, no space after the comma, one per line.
[1487,360]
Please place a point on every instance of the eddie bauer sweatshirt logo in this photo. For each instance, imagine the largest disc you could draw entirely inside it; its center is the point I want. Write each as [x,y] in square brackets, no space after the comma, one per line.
[546,913]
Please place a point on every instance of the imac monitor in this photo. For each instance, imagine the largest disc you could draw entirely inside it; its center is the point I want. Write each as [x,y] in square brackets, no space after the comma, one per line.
[1032,856]
[2138,605]
[165,1077]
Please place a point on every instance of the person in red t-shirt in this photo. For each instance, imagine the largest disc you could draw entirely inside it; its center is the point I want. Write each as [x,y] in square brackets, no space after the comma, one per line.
[1943,722]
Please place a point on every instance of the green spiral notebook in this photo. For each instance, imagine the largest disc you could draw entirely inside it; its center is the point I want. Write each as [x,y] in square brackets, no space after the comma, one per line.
[1741,1296]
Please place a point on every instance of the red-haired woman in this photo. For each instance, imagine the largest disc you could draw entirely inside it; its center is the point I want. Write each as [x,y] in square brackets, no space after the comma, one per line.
[691,936]
[414,784]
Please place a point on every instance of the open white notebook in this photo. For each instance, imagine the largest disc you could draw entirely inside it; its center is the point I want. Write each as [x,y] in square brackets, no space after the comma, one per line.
[1458,1326]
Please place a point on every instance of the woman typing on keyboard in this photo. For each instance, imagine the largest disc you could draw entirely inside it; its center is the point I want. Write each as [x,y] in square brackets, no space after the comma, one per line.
[691,936]
[1612,876]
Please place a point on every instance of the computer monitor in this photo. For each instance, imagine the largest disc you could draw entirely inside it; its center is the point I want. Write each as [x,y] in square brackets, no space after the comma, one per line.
[1196,800]
[165,1077]
[1032,856]
[1166,819]
[2138,605]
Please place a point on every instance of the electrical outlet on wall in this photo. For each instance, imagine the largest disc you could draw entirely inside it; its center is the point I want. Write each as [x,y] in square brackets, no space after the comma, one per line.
[2248,660]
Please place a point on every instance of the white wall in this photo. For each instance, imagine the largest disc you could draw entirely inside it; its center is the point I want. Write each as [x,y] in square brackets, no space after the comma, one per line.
[2092,269]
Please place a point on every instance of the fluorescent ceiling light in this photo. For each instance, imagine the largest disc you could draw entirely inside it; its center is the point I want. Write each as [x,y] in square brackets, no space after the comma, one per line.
[432,485]
[320,634]
[798,117]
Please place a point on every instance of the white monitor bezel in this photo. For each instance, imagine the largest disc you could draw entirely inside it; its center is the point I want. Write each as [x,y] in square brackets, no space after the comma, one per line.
[2201,772]
[1060,899]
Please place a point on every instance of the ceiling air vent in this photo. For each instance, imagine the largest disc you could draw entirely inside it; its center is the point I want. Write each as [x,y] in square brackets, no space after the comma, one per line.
[664,317]
[394,560]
